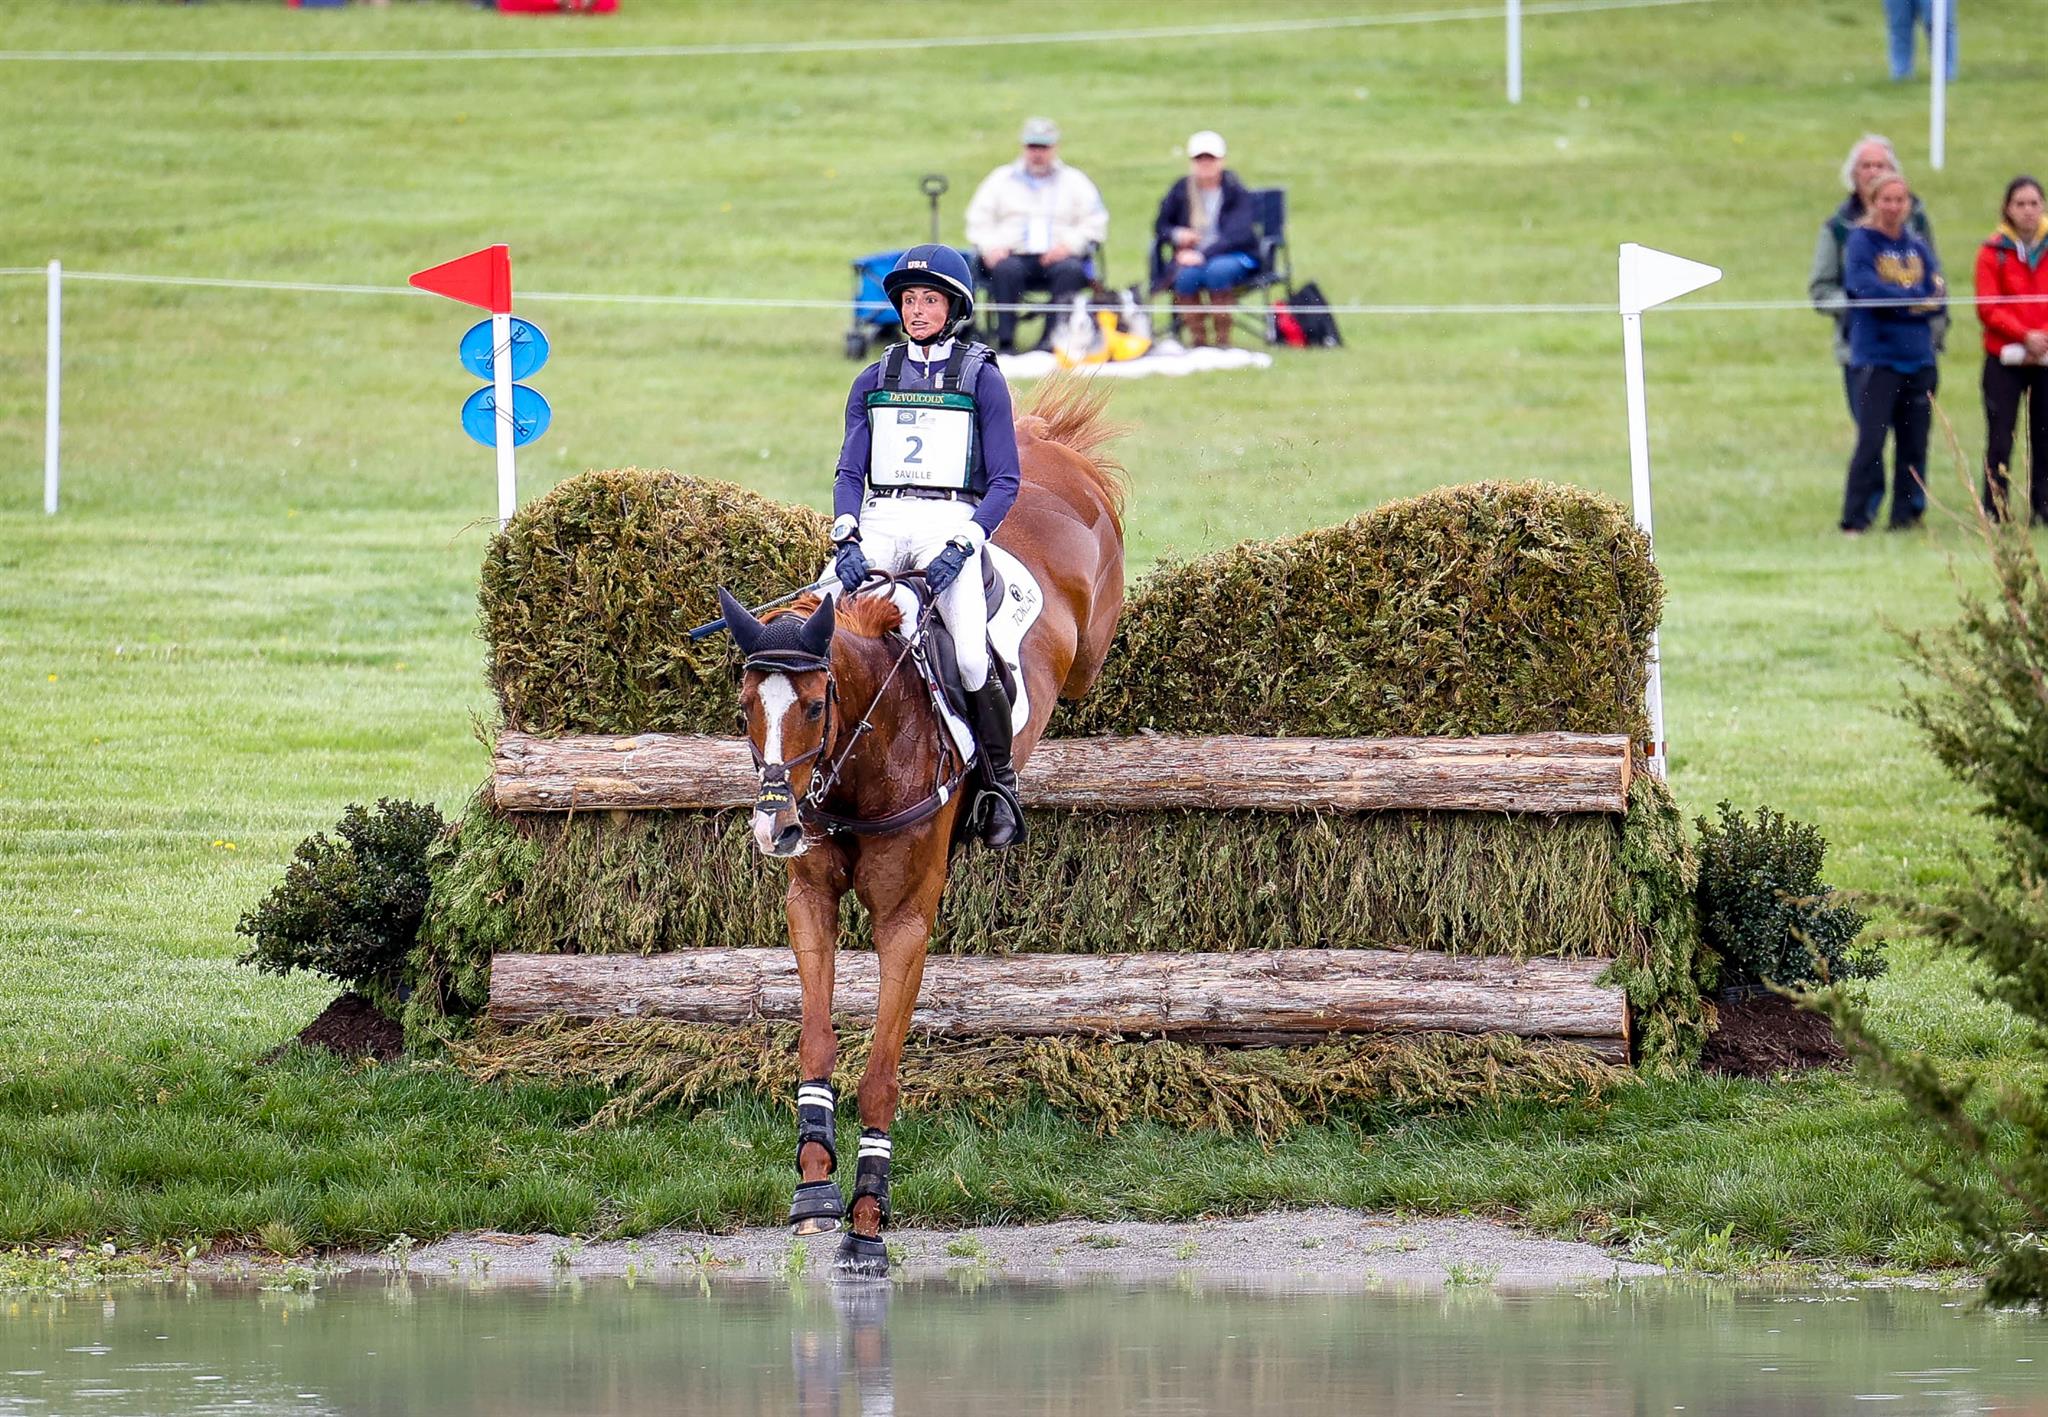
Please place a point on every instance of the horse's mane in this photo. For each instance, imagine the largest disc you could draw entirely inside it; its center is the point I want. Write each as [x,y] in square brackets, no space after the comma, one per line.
[872,616]
[1071,412]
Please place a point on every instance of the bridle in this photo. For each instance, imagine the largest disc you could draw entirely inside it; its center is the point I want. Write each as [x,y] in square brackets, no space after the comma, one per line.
[776,791]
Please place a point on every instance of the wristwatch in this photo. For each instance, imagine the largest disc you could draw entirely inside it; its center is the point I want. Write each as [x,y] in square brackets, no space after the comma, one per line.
[964,542]
[845,528]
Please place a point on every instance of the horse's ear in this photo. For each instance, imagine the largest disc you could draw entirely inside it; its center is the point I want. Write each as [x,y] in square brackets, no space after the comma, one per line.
[817,632]
[739,623]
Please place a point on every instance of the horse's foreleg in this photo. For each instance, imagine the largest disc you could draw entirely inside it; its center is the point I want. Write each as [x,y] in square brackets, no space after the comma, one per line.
[812,908]
[901,936]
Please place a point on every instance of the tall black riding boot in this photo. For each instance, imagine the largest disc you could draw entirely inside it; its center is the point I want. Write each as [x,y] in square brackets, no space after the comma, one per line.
[1004,824]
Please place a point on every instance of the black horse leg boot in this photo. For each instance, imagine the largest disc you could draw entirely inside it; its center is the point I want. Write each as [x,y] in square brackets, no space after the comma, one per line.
[868,1254]
[1004,825]
[816,1206]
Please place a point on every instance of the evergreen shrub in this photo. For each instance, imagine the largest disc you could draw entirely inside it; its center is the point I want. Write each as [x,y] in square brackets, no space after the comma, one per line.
[1983,711]
[1764,907]
[350,905]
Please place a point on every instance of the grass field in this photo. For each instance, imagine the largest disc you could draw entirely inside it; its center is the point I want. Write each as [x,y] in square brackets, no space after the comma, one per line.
[257,602]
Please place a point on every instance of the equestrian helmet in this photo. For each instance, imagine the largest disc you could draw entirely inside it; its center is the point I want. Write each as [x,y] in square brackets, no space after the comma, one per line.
[940,268]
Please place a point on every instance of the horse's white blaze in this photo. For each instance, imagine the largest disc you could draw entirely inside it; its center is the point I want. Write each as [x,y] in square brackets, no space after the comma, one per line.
[778,697]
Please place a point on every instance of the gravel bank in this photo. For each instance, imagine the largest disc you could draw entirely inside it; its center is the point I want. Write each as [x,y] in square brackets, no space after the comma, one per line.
[1319,1249]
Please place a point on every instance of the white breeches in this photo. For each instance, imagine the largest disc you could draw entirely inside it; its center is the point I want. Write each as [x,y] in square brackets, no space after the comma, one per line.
[902,533]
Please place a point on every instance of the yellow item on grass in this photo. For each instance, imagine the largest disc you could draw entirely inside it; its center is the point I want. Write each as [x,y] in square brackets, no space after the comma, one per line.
[1111,345]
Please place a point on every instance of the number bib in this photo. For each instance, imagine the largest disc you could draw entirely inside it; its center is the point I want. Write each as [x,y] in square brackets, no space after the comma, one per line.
[920,440]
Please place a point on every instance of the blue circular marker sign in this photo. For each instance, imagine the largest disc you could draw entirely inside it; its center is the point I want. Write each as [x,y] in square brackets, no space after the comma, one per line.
[529,349]
[530,415]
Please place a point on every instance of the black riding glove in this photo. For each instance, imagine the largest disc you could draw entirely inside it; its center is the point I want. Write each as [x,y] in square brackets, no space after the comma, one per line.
[945,568]
[851,565]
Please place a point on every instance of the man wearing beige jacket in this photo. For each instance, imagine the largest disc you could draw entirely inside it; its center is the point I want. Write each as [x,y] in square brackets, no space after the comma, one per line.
[1034,222]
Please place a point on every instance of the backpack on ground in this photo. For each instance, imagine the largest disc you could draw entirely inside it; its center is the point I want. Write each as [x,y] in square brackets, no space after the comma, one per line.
[1318,326]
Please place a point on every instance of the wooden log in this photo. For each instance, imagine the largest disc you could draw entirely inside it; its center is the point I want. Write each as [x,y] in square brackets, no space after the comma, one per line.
[1270,996]
[1542,772]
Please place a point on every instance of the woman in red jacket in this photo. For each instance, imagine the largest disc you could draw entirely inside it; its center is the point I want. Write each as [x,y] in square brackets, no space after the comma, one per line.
[2012,286]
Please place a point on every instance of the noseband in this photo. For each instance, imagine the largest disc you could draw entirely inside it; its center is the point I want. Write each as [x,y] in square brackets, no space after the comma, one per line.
[776,793]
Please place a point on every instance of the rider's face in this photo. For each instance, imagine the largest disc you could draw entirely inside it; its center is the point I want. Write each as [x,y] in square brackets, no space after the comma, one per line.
[924,312]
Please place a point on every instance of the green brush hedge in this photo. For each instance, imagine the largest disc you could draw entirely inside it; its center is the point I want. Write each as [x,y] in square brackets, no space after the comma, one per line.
[588,596]
[1494,607]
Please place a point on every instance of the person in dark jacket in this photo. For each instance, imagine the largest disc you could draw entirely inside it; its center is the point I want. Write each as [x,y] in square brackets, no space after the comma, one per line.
[1871,156]
[1895,289]
[2012,290]
[1209,221]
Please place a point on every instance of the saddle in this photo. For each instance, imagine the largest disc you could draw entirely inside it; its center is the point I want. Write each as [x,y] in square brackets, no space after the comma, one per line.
[1013,600]
[944,655]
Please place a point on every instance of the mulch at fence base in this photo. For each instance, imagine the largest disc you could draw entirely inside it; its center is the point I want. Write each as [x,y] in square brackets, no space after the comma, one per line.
[354,1027]
[648,1063]
[1767,1035]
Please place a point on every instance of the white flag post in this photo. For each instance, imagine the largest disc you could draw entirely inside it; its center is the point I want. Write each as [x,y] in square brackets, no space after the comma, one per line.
[1937,102]
[1514,51]
[53,388]
[501,381]
[1649,278]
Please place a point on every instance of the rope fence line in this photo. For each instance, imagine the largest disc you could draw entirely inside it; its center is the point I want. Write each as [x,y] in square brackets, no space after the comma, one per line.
[742,302]
[890,45]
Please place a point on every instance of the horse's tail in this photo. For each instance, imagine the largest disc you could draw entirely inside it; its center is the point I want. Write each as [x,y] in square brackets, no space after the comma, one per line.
[1069,410]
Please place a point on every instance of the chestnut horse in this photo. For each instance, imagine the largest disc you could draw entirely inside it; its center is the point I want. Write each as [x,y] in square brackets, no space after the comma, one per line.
[803,718]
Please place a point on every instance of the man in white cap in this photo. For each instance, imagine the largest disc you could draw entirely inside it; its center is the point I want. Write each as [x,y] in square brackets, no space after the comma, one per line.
[1034,223]
[1208,222]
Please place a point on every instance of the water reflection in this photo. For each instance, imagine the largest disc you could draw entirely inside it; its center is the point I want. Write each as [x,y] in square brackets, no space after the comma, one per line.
[979,1343]
[857,1338]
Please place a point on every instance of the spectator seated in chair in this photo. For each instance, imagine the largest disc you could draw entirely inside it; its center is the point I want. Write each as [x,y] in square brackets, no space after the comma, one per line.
[1034,224]
[1208,222]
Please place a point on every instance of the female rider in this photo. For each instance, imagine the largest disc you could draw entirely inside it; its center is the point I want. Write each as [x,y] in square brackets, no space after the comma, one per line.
[926,474]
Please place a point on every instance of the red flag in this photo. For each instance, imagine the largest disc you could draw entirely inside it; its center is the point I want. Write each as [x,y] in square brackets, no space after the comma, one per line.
[480,278]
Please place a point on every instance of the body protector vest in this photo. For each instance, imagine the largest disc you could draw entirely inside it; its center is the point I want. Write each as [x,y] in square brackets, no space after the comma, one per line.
[923,437]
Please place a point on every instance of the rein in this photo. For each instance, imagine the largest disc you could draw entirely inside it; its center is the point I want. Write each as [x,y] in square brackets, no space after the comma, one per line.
[812,810]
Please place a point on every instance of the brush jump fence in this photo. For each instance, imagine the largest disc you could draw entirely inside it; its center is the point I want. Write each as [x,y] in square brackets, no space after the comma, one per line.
[1258,997]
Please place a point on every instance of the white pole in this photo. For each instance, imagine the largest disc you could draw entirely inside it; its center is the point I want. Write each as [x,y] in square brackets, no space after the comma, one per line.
[1639,482]
[501,379]
[53,379]
[1937,107]
[1515,51]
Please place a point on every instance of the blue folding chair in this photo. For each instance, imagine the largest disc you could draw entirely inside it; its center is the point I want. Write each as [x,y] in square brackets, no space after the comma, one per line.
[874,318]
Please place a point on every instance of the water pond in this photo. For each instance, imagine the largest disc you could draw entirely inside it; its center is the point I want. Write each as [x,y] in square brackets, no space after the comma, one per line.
[972,1343]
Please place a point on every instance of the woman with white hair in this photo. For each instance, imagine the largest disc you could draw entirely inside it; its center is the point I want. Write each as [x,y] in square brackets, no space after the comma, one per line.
[1871,156]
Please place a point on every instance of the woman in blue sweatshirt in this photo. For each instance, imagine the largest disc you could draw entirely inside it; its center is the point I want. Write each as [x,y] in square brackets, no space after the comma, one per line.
[1895,290]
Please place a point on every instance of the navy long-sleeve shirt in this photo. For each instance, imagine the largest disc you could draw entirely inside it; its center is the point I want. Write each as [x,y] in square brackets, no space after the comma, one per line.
[1880,267]
[995,431]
